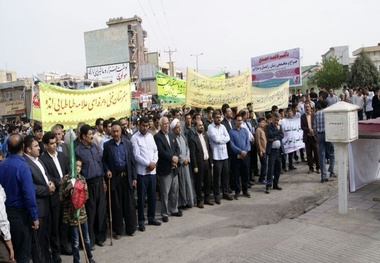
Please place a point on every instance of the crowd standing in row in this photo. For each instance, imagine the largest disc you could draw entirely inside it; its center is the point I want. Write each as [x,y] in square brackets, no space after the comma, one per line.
[188,157]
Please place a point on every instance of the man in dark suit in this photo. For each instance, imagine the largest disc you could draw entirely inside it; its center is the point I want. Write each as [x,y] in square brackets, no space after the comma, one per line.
[168,153]
[201,162]
[309,138]
[119,166]
[228,122]
[57,167]
[274,150]
[44,189]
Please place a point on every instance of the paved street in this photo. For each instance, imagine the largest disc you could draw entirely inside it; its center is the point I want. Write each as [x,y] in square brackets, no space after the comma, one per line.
[264,228]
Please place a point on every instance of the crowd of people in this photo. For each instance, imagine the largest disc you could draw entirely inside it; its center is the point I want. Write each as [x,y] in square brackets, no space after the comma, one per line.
[184,158]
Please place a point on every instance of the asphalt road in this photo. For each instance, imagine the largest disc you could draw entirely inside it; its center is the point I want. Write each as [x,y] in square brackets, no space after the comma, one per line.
[203,233]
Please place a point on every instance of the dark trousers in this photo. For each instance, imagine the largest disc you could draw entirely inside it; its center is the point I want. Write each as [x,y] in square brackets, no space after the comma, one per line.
[240,173]
[64,230]
[40,241]
[254,169]
[274,167]
[203,177]
[123,207]
[96,211]
[21,233]
[220,175]
[360,115]
[146,186]
[311,146]
[263,169]
[290,160]
[55,230]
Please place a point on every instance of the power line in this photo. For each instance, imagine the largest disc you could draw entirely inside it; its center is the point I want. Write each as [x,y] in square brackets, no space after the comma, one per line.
[158,24]
[154,32]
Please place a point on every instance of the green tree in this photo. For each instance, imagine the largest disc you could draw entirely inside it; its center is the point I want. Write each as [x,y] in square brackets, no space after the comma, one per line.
[363,72]
[331,75]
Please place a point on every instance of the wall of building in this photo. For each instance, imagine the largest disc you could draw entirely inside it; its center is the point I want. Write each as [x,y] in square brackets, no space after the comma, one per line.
[7,75]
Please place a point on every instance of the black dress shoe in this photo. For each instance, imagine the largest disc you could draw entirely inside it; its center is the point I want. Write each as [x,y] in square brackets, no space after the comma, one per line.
[177,214]
[189,206]
[246,194]
[236,196]
[154,222]
[209,202]
[228,197]
[277,187]
[217,201]
[100,243]
[66,251]
[165,219]
[57,258]
[292,168]
[93,248]
[142,228]
[117,237]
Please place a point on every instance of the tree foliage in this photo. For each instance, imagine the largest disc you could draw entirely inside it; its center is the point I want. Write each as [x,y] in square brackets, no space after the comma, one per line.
[331,75]
[363,72]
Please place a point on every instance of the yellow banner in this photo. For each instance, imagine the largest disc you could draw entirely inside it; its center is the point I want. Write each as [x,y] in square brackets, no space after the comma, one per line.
[202,91]
[68,107]
[264,98]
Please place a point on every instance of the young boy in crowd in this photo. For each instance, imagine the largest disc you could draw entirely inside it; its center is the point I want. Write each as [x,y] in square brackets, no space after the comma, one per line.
[70,215]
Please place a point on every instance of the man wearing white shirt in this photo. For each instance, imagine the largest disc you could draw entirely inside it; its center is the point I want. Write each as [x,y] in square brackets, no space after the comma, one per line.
[56,166]
[44,188]
[146,156]
[219,138]
[107,129]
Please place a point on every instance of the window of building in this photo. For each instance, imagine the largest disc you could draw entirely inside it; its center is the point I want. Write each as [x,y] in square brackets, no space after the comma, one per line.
[8,95]
[9,76]
[22,95]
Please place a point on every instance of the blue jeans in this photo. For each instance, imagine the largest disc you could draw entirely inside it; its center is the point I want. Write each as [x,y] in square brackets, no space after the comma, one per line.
[75,239]
[324,147]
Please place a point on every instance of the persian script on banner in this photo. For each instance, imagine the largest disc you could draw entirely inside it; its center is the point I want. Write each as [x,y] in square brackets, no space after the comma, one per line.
[293,134]
[202,91]
[264,99]
[171,91]
[68,107]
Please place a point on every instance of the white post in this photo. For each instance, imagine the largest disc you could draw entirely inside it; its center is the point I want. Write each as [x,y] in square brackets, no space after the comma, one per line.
[342,177]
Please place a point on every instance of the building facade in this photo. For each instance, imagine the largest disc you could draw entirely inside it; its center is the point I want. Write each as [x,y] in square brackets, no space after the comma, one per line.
[372,52]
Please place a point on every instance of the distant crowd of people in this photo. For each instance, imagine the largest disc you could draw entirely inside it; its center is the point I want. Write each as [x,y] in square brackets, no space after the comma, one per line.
[182,157]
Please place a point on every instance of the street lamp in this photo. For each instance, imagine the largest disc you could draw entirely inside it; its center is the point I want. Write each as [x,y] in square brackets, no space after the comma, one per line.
[196,59]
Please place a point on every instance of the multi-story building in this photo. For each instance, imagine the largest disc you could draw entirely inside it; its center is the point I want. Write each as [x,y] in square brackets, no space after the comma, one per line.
[341,53]
[15,98]
[372,52]
[116,52]
[7,75]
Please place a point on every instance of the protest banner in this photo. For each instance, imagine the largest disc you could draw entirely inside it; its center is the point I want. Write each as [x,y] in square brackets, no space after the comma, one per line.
[273,69]
[264,99]
[170,90]
[68,107]
[203,91]
[293,134]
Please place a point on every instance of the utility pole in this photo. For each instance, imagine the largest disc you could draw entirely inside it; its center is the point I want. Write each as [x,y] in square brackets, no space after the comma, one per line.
[171,65]
[196,59]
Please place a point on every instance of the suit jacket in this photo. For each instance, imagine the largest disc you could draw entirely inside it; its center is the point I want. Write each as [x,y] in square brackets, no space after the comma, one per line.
[274,134]
[197,154]
[166,153]
[261,141]
[41,188]
[52,170]
[306,129]
[108,160]
[228,127]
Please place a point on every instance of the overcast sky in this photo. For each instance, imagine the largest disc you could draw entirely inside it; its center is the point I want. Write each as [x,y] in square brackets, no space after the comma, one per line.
[46,35]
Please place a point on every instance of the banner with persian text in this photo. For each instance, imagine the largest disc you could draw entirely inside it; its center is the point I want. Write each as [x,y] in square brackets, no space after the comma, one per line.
[273,69]
[202,91]
[293,134]
[171,91]
[68,107]
[264,99]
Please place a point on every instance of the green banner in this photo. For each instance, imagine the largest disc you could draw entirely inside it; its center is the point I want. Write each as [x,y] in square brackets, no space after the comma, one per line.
[169,89]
